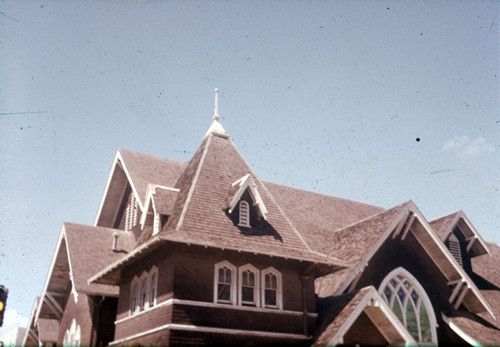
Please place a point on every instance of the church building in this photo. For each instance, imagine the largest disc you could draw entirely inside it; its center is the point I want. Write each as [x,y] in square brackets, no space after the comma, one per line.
[205,252]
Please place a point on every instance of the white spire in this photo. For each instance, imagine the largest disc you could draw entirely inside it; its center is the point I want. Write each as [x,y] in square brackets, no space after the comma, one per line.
[216,107]
[216,127]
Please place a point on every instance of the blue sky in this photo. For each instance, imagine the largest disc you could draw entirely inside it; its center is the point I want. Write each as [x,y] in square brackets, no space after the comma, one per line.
[328,96]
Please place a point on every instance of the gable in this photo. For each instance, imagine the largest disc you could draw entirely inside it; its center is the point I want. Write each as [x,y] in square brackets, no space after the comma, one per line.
[361,241]
[138,171]
[360,317]
[459,224]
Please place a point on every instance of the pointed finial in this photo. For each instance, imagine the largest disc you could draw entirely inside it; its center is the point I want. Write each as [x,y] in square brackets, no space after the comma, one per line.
[216,111]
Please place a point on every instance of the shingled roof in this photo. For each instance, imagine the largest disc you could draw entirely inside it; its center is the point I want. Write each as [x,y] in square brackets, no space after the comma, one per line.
[338,313]
[81,251]
[445,225]
[481,328]
[200,213]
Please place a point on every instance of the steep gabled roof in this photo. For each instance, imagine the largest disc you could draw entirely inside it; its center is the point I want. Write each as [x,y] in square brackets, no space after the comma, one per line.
[81,251]
[445,225]
[337,315]
[200,213]
[481,328]
[358,243]
[137,170]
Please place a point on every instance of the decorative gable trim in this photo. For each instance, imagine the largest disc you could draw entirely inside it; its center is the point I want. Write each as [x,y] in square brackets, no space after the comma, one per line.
[239,187]
[415,222]
[475,241]
[381,315]
[117,161]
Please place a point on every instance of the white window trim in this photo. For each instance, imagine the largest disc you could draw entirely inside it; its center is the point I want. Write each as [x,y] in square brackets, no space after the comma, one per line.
[242,222]
[232,291]
[420,291]
[279,291]
[134,295]
[256,291]
[153,271]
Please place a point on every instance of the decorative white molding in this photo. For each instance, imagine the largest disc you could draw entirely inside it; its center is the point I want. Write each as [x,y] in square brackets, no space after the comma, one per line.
[218,306]
[204,329]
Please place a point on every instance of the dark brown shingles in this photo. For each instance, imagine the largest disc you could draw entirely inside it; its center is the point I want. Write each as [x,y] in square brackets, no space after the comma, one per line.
[318,216]
[146,169]
[442,225]
[352,244]
[90,250]
[482,327]
[164,200]
[204,218]
[334,312]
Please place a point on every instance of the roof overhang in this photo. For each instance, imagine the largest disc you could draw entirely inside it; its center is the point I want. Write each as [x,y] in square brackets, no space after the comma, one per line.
[55,292]
[466,337]
[410,219]
[320,264]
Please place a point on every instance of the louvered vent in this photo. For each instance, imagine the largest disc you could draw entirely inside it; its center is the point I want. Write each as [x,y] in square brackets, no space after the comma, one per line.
[454,246]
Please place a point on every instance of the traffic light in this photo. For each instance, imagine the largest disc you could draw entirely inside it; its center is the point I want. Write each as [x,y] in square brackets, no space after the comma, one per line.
[4,292]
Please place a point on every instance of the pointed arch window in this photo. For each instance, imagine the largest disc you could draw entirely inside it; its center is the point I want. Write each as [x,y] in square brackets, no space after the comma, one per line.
[244,209]
[144,302]
[248,286]
[134,296]
[153,285]
[410,304]
[271,288]
[225,283]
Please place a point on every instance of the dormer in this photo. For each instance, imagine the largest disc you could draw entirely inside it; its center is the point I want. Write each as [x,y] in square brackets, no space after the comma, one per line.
[461,238]
[160,202]
[245,203]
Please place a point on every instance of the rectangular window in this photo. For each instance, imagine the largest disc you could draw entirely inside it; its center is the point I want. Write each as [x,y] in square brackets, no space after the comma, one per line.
[224,285]
[270,290]
[248,288]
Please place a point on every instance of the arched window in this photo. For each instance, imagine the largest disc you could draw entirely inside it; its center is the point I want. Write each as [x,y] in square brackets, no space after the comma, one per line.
[271,288]
[134,296]
[144,292]
[244,214]
[153,285]
[411,304]
[225,283]
[248,286]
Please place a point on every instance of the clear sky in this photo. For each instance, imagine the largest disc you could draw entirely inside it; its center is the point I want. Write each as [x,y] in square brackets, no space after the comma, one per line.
[375,101]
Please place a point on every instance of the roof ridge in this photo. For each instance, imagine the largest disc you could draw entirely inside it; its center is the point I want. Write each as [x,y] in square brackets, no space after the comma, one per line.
[372,216]
[194,181]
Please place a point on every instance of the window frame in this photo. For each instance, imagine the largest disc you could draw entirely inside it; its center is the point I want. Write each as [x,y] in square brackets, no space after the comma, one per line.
[279,294]
[256,287]
[232,284]
[423,299]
